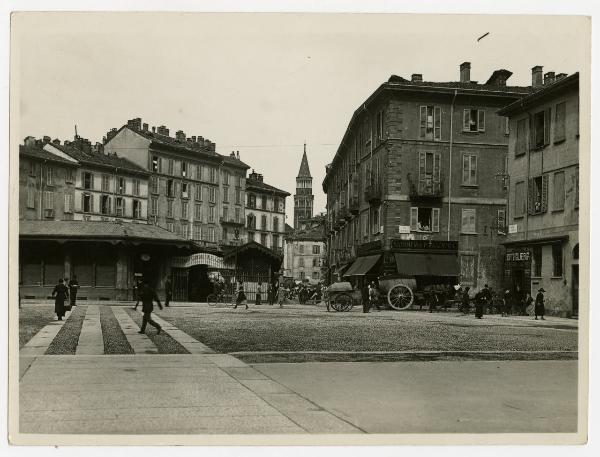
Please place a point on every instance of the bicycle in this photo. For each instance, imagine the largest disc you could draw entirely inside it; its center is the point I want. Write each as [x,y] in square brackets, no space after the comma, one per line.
[214,300]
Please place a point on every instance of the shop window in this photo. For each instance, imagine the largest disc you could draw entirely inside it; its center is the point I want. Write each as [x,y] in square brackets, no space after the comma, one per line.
[557,260]
[536,257]
[425,219]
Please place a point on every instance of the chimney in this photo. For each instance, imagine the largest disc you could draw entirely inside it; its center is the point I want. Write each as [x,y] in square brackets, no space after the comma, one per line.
[416,78]
[260,177]
[98,148]
[213,147]
[465,72]
[135,124]
[536,76]
[162,130]
[153,129]
[29,141]
[201,139]
[193,138]
[238,155]
[549,78]
[179,135]
[145,127]
[561,76]
[56,141]
[111,134]
[230,155]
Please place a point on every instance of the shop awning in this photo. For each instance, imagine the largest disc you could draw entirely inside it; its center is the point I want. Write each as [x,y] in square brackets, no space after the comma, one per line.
[362,265]
[419,264]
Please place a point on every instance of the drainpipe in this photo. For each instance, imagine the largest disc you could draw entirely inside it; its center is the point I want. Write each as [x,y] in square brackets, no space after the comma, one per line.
[450,167]
[41,211]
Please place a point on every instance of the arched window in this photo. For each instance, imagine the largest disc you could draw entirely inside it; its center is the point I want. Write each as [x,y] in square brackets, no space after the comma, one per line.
[576,252]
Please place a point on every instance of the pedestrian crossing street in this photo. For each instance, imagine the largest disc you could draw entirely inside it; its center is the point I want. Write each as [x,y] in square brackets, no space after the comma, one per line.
[91,336]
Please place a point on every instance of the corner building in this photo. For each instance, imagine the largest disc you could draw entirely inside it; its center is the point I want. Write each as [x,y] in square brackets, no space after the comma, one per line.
[542,246]
[412,189]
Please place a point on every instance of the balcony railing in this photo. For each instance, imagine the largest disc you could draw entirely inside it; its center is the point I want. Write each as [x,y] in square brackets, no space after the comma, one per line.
[373,193]
[426,188]
[230,221]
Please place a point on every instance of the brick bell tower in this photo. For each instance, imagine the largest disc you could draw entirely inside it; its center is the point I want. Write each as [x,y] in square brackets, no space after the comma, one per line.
[303,199]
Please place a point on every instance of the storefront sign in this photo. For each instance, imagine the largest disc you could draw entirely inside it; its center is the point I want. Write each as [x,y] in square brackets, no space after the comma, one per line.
[512,228]
[522,256]
[424,244]
[404,229]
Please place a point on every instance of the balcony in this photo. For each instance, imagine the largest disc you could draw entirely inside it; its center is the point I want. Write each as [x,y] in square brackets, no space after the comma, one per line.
[373,193]
[425,189]
[230,221]
[354,205]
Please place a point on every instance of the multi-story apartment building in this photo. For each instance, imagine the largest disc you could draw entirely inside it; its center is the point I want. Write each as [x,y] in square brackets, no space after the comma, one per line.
[107,187]
[46,183]
[542,246]
[193,191]
[412,188]
[303,198]
[305,252]
[265,213]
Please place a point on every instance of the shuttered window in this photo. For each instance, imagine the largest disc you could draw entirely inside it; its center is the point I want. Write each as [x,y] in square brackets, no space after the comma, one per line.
[501,222]
[430,122]
[211,214]
[560,121]
[540,132]
[68,203]
[469,176]
[425,219]
[538,195]
[48,200]
[429,173]
[468,221]
[31,195]
[559,191]
[520,199]
[521,141]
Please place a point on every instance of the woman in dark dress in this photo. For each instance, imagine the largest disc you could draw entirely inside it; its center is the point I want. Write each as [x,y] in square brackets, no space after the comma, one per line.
[61,293]
[258,292]
[241,296]
[540,309]
[480,301]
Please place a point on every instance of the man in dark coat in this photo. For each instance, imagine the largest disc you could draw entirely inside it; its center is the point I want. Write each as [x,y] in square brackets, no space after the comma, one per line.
[61,293]
[540,309]
[168,292]
[73,287]
[148,296]
[480,301]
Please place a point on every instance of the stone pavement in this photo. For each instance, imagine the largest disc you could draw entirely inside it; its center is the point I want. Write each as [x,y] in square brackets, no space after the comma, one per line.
[149,393]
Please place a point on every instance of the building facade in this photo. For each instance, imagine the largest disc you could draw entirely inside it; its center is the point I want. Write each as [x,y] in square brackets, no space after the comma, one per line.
[265,213]
[303,198]
[46,183]
[107,187]
[542,246]
[415,174]
[305,254]
[193,191]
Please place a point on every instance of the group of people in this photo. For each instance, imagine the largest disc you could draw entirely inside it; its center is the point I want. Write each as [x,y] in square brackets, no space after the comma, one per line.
[65,296]
[507,303]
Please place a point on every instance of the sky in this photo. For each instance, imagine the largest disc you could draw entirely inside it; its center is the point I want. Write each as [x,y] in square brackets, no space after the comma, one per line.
[260,84]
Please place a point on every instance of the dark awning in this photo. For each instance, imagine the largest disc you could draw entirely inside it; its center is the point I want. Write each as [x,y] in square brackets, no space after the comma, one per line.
[419,264]
[362,265]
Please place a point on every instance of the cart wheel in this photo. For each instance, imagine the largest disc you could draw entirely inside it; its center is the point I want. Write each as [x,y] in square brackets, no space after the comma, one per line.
[400,297]
[344,302]
[212,300]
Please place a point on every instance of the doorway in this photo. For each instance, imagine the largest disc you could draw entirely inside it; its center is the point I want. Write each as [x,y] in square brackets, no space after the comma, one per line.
[518,283]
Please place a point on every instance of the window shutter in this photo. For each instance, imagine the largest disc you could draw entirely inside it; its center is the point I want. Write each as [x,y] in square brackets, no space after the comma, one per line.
[547,122]
[437,172]
[414,217]
[530,197]
[531,134]
[473,170]
[423,121]
[465,174]
[66,210]
[481,120]
[466,116]
[437,123]
[422,159]
[435,220]
[82,179]
[544,193]
[160,164]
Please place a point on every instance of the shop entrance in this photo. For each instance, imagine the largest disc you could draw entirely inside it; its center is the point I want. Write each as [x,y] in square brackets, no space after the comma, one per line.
[519,282]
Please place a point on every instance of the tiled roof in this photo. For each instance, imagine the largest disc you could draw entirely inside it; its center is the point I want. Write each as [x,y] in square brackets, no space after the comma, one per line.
[94,230]
[101,159]
[395,80]
[39,153]
[185,147]
[254,184]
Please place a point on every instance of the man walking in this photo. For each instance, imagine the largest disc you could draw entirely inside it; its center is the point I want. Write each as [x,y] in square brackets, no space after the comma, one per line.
[168,291]
[73,287]
[540,309]
[148,296]
[61,293]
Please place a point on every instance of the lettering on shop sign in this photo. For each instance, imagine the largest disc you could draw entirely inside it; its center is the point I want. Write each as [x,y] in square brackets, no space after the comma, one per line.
[517,256]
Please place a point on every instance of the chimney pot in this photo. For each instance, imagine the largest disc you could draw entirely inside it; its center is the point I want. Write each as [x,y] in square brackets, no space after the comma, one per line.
[465,72]
[29,141]
[56,141]
[46,139]
[145,127]
[416,78]
[536,76]
[549,78]
[153,129]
